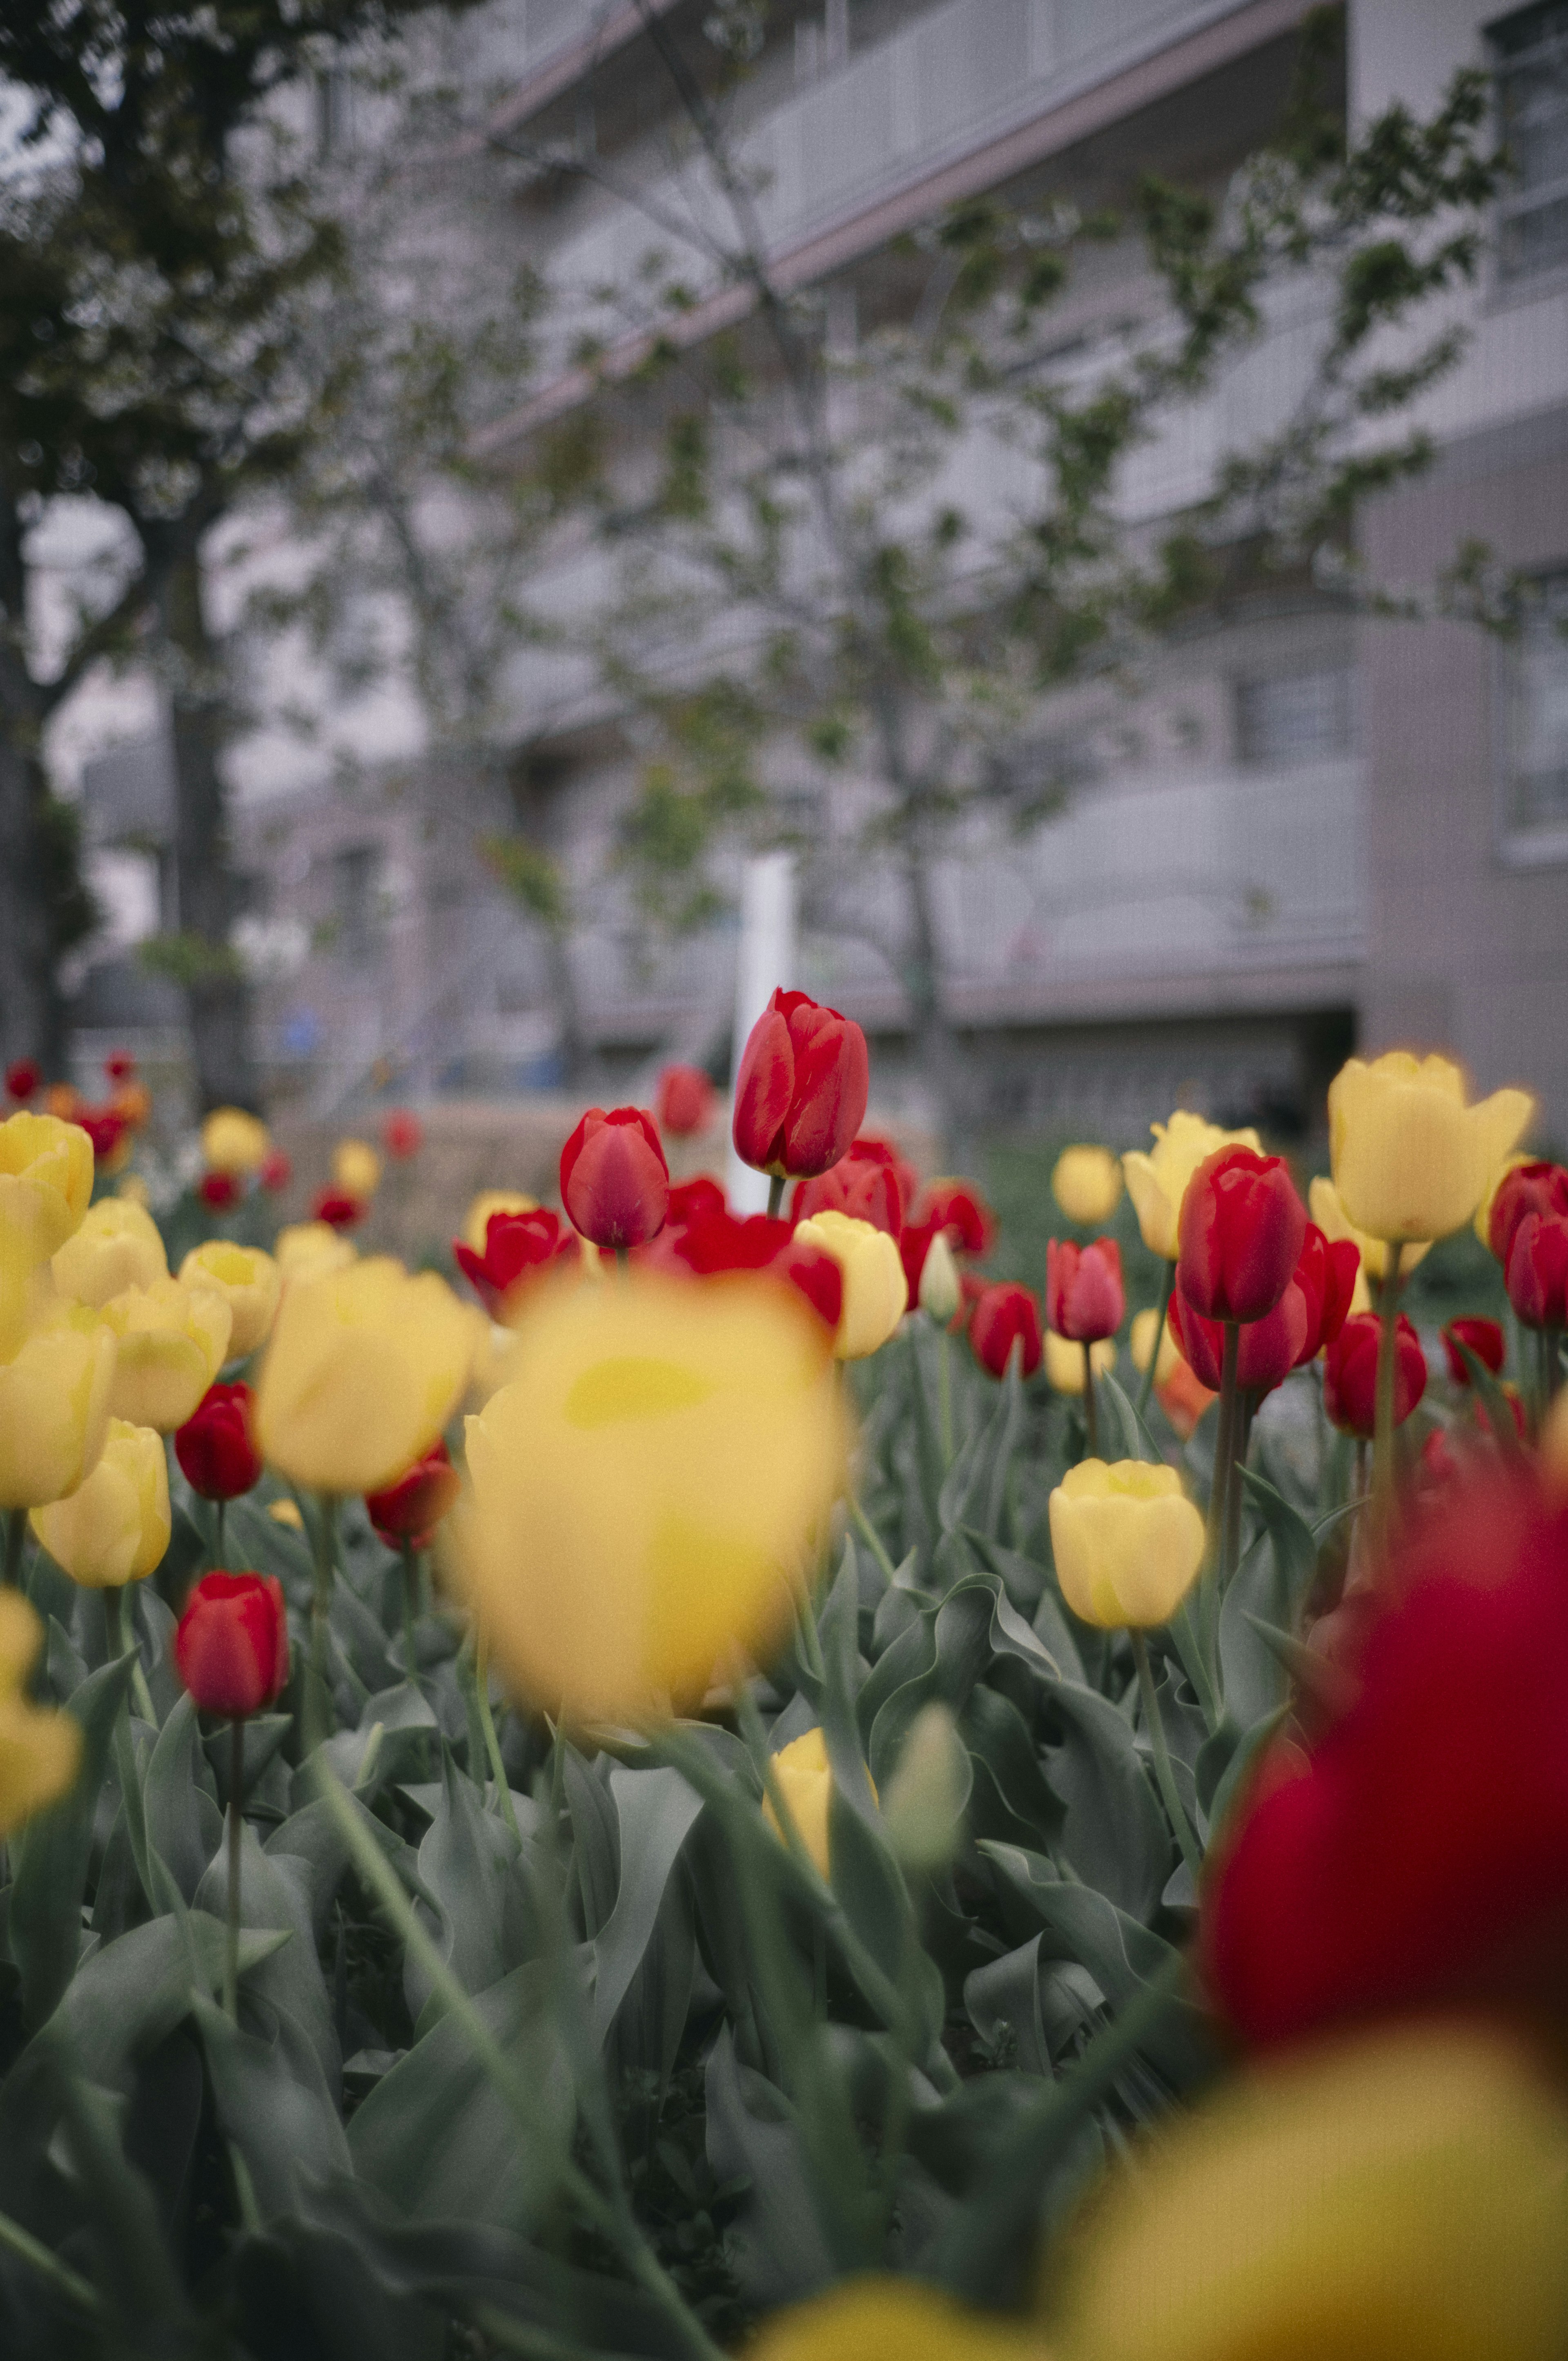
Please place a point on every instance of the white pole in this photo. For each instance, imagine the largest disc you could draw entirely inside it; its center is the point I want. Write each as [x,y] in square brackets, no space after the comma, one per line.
[766,960]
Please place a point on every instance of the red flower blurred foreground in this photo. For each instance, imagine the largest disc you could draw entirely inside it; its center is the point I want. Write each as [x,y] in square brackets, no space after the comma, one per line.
[518,1247]
[1240,1234]
[337,1209]
[23,1077]
[1084,1296]
[615,1183]
[800,1095]
[216,1449]
[219,1192]
[411,1509]
[717,1242]
[684,1101]
[1309,1315]
[402,1134]
[1420,1853]
[864,1182]
[1528,1189]
[1350,1374]
[1005,1315]
[232,1644]
[1485,1339]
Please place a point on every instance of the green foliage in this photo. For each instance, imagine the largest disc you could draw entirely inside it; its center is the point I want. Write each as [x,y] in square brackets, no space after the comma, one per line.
[188,959]
[529,874]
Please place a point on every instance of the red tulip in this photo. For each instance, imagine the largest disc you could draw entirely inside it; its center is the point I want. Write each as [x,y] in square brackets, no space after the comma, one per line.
[1325,1273]
[1350,1375]
[1084,1296]
[863,1183]
[120,1065]
[105,1127]
[684,1101]
[615,1183]
[690,1200]
[1336,1896]
[23,1077]
[1006,1317]
[219,1192]
[276,1171]
[232,1643]
[409,1510]
[1267,1349]
[216,1447]
[1536,1270]
[801,1093]
[518,1247]
[1528,1188]
[960,1210]
[402,1134]
[718,1242]
[1240,1234]
[1485,1339]
[337,1209]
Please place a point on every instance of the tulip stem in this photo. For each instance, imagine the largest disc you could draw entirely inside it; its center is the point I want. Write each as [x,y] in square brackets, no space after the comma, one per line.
[945,1397]
[492,1743]
[236,1832]
[318,1704]
[1163,1772]
[1383,1411]
[121,1632]
[775,1195]
[1091,1409]
[410,1600]
[872,1537]
[15,1535]
[220,1509]
[1219,1497]
[1147,1387]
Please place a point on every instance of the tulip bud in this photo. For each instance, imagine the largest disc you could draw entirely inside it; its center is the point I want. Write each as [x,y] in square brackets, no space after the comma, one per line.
[275,1171]
[939,1281]
[1064,1362]
[1536,1270]
[922,1810]
[1127,1543]
[1268,1349]
[716,1242]
[248,1281]
[1329,1217]
[1410,1159]
[802,1087]
[23,1077]
[962,1212]
[115,1528]
[231,1648]
[864,1182]
[1157,1182]
[1524,1188]
[117,1246]
[1005,1320]
[876,1294]
[1241,1234]
[336,1210]
[517,1249]
[411,1509]
[805,1777]
[685,1100]
[219,1192]
[476,1220]
[216,1449]
[46,1181]
[356,1169]
[1350,1375]
[1084,1296]
[615,1183]
[311,1249]
[105,1127]
[402,1134]
[40,1750]
[1087,1184]
[54,1407]
[233,1141]
[170,1341]
[1482,1338]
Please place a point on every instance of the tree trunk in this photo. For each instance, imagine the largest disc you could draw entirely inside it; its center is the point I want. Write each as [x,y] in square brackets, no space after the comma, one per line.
[32,1011]
[216,999]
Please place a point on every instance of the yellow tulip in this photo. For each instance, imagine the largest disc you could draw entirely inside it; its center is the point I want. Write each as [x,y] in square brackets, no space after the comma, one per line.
[134,1190]
[250,1283]
[1323,1198]
[1064,1361]
[1140,1341]
[1087,1184]
[54,1406]
[1494,1182]
[876,1293]
[311,1249]
[1411,1160]
[1156,1182]
[170,1341]
[806,1782]
[940,1294]
[646,1492]
[233,1141]
[1400,2196]
[924,1807]
[357,1169]
[1127,1542]
[877,2319]
[46,1181]
[364,1369]
[117,1246]
[287,1512]
[115,1528]
[40,1750]
[476,1220]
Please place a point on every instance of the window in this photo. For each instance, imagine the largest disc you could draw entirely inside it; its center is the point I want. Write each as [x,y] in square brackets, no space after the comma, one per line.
[355,872]
[1535,667]
[1529,53]
[1302,716]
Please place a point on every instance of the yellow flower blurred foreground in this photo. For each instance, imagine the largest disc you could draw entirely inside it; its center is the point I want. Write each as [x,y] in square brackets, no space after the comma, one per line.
[1398,2197]
[1064,1361]
[170,1341]
[40,1750]
[1156,1182]
[364,1369]
[1087,1184]
[46,1181]
[115,1528]
[1411,1160]
[357,1169]
[233,1141]
[311,1249]
[249,1282]
[890,2320]
[1126,1540]
[647,1490]
[476,1220]
[876,1292]
[1330,1215]
[119,1245]
[54,1405]
[806,1782]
